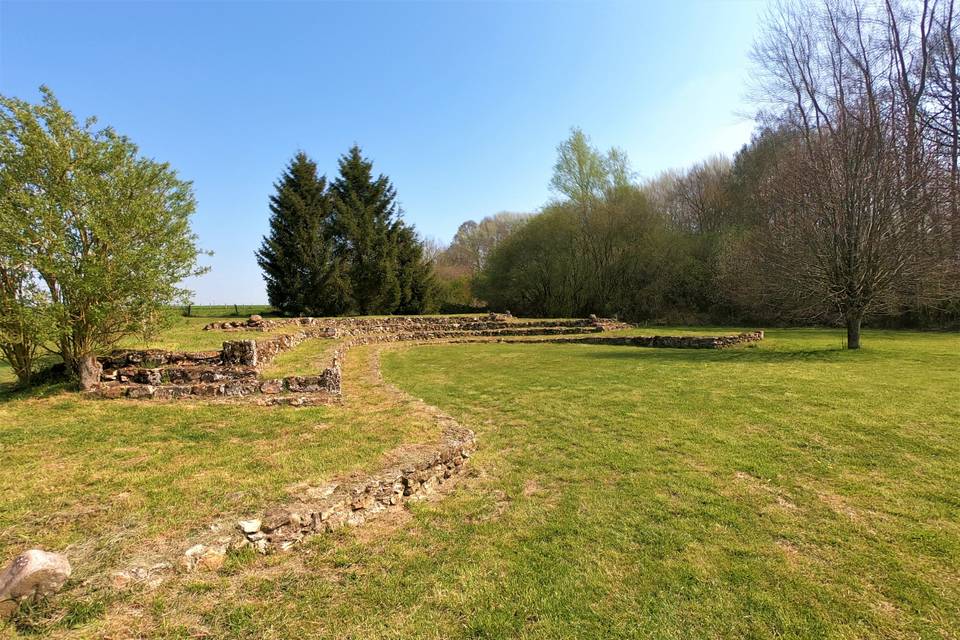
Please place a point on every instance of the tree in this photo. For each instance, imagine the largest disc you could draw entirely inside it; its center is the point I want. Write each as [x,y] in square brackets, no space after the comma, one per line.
[418,287]
[304,276]
[475,241]
[103,234]
[583,174]
[382,256]
[617,261]
[24,317]
[849,228]
[943,121]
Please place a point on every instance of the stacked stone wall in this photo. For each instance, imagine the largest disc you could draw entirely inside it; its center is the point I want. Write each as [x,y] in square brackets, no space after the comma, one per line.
[662,342]
[234,371]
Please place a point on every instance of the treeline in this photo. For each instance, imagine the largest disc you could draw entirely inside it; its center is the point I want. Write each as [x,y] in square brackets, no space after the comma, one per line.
[342,248]
[845,206]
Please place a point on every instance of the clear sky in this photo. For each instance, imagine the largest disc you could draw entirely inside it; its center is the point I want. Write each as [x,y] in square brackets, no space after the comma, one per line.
[461,104]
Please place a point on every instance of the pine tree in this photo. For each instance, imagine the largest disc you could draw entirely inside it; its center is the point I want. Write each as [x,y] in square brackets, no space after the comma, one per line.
[303,273]
[418,288]
[382,255]
[365,213]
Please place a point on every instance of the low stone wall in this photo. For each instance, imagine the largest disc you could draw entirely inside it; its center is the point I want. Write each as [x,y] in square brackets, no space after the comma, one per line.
[157,357]
[392,324]
[255,353]
[335,505]
[418,472]
[663,342]
[234,371]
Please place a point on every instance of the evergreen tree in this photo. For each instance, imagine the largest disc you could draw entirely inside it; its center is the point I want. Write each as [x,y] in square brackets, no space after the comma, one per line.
[303,273]
[418,287]
[365,219]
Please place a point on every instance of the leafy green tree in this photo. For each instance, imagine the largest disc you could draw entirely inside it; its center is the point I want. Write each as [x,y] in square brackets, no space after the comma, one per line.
[24,316]
[583,174]
[304,276]
[103,234]
[618,263]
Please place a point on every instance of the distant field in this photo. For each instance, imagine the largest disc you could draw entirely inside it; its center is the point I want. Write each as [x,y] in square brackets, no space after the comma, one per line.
[789,489]
[225,310]
[187,334]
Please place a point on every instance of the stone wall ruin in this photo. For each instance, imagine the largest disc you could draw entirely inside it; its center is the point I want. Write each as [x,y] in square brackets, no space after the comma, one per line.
[234,371]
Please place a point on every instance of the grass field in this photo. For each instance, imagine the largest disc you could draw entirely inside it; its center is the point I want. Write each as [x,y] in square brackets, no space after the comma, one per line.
[785,490]
[223,311]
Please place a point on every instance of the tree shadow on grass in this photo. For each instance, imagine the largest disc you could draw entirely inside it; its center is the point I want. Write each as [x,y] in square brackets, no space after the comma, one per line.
[719,356]
[11,391]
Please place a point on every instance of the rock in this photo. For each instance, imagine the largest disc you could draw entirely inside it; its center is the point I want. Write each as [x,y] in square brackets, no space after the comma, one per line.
[256,318]
[364,501]
[250,526]
[271,386]
[112,391]
[200,556]
[213,558]
[121,580]
[144,391]
[195,551]
[240,543]
[286,546]
[274,520]
[32,574]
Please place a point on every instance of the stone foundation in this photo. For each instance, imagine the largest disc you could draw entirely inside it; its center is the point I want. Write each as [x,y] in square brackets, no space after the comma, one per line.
[662,342]
[338,504]
[234,371]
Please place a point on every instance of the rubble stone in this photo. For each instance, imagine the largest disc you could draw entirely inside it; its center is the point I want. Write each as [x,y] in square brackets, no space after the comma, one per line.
[33,574]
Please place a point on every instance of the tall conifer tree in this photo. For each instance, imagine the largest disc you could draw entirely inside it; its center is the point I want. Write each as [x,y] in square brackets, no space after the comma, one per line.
[303,273]
[383,256]
[365,213]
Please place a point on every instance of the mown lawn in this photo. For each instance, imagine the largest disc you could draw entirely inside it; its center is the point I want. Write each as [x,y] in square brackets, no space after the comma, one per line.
[110,481]
[786,490]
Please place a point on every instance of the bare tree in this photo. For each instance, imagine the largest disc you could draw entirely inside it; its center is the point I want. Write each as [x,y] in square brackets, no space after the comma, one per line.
[475,241]
[695,200]
[943,109]
[849,227]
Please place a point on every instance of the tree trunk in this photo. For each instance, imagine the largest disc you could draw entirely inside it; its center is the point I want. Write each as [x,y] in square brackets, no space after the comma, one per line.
[89,370]
[853,332]
[20,358]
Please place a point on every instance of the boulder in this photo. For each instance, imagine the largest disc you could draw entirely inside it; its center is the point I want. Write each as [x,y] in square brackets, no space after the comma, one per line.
[32,574]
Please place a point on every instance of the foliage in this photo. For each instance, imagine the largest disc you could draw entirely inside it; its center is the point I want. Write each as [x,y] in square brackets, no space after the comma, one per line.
[612,259]
[343,248]
[457,266]
[303,274]
[24,321]
[103,234]
[583,174]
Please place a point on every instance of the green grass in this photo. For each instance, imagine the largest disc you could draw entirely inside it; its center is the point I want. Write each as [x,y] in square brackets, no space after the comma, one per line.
[309,358]
[785,490]
[186,334]
[110,481]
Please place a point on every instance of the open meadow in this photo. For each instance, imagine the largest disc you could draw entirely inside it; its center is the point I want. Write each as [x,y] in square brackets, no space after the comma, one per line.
[507,369]
[784,489]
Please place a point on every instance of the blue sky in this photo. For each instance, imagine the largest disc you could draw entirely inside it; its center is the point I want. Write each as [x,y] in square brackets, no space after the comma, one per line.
[461,104]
